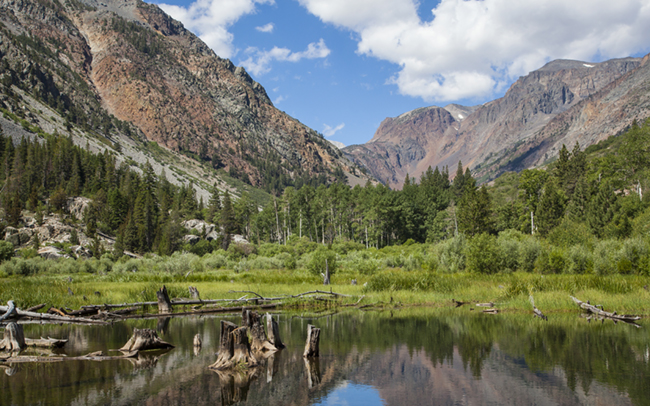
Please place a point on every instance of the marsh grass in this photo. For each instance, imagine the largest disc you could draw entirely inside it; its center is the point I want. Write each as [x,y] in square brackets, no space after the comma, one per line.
[389,288]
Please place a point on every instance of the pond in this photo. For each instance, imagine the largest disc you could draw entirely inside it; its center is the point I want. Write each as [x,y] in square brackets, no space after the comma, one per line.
[417,356]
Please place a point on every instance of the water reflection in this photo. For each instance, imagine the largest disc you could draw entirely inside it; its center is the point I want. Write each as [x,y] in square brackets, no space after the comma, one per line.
[418,356]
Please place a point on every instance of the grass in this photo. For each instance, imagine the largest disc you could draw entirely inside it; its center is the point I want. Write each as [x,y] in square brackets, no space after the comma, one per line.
[625,294]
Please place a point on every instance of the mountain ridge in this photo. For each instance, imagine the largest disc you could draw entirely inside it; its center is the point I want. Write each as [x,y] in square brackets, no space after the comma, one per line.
[508,133]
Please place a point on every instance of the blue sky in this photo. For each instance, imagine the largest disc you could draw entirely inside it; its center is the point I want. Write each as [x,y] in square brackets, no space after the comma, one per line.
[342,66]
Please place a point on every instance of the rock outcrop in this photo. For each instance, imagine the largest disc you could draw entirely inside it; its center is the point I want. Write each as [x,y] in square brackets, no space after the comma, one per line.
[561,103]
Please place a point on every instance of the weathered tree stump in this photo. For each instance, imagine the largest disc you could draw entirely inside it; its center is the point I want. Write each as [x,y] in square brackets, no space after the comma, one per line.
[273,332]
[194,293]
[145,339]
[13,339]
[164,304]
[313,371]
[242,349]
[259,341]
[226,348]
[312,344]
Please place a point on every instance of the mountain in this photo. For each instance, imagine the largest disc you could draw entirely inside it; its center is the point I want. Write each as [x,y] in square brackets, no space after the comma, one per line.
[124,75]
[564,102]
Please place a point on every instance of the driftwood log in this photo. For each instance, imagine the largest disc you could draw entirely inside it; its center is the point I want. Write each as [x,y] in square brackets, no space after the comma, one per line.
[52,317]
[312,343]
[145,339]
[273,332]
[11,310]
[600,312]
[164,304]
[13,339]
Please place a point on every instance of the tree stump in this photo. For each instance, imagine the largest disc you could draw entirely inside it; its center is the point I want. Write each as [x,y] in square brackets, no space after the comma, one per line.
[194,293]
[164,304]
[13,339]
[242,349]
[259,341]
[11,310]
[313,340]
[145,339]
[226,348]
[245,317]
[273,332]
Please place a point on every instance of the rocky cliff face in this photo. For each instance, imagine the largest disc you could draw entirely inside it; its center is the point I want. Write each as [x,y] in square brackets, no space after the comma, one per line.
[100,60]
[563,102]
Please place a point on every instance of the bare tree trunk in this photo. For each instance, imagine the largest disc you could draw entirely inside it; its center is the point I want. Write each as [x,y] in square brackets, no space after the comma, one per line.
[164,304]
[313,341]
[273,332]
[326,281]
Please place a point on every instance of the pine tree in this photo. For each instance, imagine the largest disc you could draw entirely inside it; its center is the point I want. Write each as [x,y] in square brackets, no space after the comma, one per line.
[550,209]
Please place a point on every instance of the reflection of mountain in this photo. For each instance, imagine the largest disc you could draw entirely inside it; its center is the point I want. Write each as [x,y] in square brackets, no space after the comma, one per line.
[422,356]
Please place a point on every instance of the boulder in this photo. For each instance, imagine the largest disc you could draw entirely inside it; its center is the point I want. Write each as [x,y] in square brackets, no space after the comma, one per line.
[51,253]
[77,206]
[199,225]
[18,237]
[239,239]
[191,239]
[213,235]
[80,252]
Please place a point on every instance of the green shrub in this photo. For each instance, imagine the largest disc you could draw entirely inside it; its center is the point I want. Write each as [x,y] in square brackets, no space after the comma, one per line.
[580,260]
[345,247]
[318,258]
[6,250]
[529,250]
[509,242]
[483,254]
[635,254]
[570,233]
[606,257]
[451,254]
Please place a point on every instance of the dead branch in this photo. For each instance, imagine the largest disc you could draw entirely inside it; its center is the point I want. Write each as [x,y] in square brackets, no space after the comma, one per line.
[600,312]
[11,310]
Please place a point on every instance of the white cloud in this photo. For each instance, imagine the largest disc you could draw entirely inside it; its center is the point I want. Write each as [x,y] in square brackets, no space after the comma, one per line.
[329,131]
[473,48]
[266,28]
[210,20]
[279,100]
[259,62]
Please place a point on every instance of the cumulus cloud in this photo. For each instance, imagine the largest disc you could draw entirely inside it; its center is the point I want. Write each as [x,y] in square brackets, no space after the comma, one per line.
[329,131]
[259,61]
[210,20]
[266,28]
[472,48]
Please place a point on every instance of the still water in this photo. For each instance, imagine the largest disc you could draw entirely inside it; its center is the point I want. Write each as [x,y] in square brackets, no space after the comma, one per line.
[400,357]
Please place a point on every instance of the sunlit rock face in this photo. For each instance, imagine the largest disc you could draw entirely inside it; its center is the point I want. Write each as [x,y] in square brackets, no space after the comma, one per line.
[564,102]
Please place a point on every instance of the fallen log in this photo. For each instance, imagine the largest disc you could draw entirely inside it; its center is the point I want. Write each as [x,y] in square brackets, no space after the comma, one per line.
[53,317]
[34,308]
[145,339]
[201,311]
[591,316]
[93,356]
[491,311]
[45,342]
[312,343]
[13,338]
[600,312]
